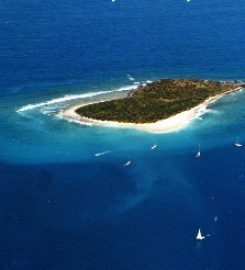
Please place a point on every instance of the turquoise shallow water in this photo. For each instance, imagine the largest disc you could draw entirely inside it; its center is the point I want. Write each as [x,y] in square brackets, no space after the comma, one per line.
[54,187]
[35,125]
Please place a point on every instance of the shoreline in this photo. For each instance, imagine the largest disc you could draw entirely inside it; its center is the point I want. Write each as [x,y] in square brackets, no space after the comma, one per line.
[171,124]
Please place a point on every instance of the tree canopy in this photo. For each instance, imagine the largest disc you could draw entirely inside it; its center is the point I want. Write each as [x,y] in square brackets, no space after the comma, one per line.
[156,101]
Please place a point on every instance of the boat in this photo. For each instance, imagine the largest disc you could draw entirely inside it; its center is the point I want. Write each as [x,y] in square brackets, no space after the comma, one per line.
[154,146]
[198,154]
[130,78]
[237,144]
[127,163]
[199,236]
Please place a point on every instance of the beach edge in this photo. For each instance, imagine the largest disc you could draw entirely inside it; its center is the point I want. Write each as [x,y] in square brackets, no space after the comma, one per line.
[171,124]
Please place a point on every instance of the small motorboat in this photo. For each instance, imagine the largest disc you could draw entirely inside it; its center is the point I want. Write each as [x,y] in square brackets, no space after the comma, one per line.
[130,78]
[127,163]
[237,144]
[198,154]
[154,146]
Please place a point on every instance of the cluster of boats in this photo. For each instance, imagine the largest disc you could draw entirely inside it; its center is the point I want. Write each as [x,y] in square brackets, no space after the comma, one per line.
[199,236]
[198,153]
[128,162]
[153,147]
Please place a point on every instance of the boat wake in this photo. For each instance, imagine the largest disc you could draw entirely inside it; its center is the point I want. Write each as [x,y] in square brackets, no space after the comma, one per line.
[102,153]
[67,98]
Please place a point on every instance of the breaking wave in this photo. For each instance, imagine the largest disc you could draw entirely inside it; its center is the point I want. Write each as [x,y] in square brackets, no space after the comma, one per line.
[71,97]
[203,111]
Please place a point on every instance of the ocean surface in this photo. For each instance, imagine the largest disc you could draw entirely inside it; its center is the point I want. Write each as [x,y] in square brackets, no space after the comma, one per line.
[64,207]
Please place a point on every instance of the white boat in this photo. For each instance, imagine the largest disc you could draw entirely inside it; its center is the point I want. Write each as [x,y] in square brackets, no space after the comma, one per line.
[200,236]
[198,154]
[154,146]
[130,78]
[237,144]
[127,163]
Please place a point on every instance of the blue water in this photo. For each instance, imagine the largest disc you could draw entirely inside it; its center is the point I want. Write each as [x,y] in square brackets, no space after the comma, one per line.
[63,208]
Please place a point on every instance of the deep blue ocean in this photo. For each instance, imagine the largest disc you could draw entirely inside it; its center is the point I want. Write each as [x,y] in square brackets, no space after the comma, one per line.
[61,207]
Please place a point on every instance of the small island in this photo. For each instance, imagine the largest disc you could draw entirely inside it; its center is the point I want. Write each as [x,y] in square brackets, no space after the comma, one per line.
[161,106]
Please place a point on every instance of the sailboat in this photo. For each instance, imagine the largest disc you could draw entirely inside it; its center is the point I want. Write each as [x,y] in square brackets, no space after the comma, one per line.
[199,236]
[237,144]
[198,154]
[154,146]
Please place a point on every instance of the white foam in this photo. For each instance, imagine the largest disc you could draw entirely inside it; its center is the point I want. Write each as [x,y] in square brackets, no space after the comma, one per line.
[71,120]
[204,110]
[149,82]
[48,112]
[71,97]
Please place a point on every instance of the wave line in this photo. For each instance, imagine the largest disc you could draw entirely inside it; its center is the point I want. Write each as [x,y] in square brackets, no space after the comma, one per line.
[71,97]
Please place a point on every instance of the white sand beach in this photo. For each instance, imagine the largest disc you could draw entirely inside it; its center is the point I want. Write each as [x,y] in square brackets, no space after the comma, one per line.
[171,124]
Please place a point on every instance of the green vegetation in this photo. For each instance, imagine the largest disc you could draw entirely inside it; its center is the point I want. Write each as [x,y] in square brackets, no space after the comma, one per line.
[156,101]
